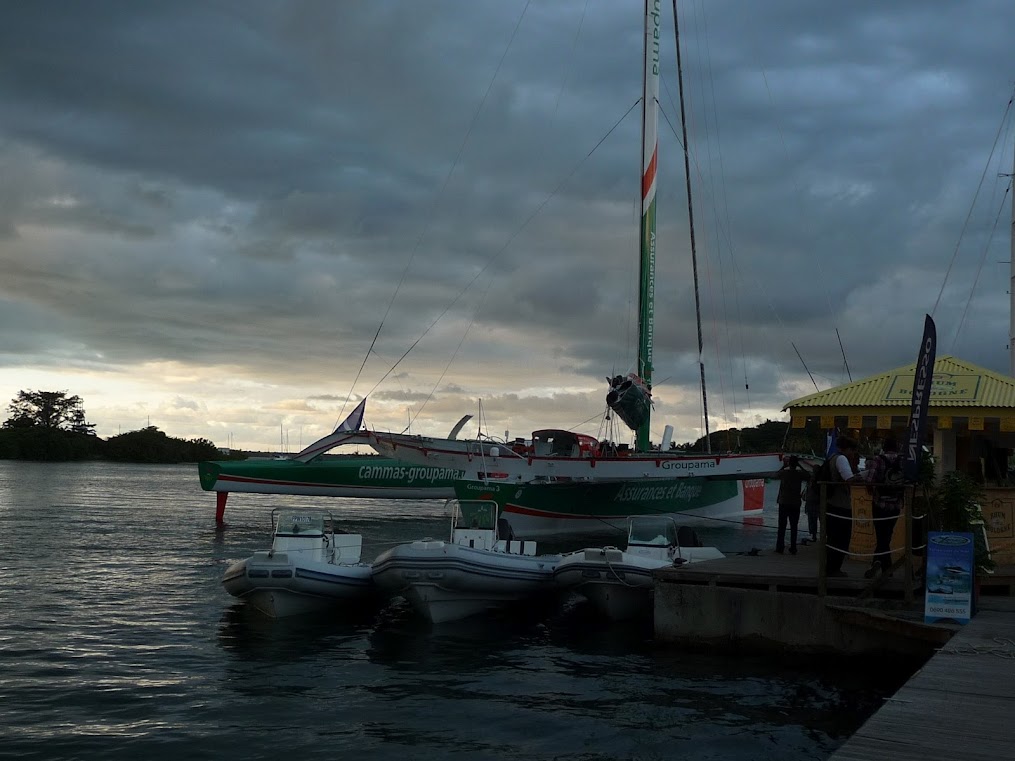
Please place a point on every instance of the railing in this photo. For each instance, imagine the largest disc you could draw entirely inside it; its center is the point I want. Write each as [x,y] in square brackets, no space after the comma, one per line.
[908,548]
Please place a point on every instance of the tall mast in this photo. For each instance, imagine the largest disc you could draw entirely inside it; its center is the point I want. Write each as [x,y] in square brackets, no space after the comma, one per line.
[649,161]
[690,219]
[1011,285]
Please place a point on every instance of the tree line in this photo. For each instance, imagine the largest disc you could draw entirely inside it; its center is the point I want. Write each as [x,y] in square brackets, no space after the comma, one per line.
[52,426]
[770,436]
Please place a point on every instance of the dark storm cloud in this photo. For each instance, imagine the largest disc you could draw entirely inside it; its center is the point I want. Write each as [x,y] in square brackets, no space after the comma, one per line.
[245,183]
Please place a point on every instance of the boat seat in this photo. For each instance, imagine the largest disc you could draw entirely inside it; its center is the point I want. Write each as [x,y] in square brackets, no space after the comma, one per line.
[516,547]
[504,530]
[687,537]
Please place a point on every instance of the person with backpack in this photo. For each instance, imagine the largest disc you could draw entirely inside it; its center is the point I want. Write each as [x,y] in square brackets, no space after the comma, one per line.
[839,471]
[792,478]
[886,485]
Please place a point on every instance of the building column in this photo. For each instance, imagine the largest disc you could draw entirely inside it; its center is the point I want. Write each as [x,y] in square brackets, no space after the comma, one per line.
[944,451]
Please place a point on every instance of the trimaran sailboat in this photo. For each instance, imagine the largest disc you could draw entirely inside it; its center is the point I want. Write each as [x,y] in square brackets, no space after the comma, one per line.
[558,481]
[648,482]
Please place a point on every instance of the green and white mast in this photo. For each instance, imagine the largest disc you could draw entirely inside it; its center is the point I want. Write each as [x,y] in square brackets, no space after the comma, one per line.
[649,162]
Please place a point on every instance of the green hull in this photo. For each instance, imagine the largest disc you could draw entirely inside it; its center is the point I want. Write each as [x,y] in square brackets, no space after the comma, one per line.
[341,476]
[603,507]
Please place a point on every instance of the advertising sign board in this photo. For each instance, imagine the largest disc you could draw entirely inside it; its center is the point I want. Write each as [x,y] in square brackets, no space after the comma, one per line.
[949,577]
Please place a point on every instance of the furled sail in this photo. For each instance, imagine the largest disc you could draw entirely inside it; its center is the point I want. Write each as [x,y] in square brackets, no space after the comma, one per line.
[631,399]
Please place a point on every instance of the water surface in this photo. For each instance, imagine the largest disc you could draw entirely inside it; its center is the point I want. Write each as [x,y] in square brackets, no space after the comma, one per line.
[117,641]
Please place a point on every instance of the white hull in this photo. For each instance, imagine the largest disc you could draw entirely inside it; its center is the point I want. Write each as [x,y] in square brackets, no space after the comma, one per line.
[439,605]
[309,567]
[619,603]
[619,584]
[619,591]
[286,585]
[534,525]
[448,582]
[476,460]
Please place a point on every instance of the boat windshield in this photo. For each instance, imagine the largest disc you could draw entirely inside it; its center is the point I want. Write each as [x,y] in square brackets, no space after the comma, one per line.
[477,515]
[299,524]
[654,531]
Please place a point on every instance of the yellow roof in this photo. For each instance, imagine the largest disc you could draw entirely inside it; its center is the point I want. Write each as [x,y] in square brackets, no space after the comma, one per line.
[955,384]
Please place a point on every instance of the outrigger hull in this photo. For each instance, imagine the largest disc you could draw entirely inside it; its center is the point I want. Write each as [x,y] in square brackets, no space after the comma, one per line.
[367,476]
[589,508]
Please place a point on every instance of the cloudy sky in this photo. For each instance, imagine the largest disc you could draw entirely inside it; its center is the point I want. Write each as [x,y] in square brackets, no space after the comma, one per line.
[207,209]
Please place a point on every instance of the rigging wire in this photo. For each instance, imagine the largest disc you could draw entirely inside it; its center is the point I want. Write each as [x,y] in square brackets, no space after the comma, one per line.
[479,304]
[798,190]
[433,207]
[570,60]
[805,365]
[1004,196]
[736,266]
[983,257]
[490,259]
[972,205]
[690,217]
[844,360]
[718,305]
[721,234]
[447,367]
[726,217]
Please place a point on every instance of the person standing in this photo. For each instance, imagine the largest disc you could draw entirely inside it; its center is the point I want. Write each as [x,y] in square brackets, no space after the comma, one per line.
[885,484]
[839,509]
[792,478]
[812,502]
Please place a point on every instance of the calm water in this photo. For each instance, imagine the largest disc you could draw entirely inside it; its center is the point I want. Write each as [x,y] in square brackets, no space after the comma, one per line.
[117,641]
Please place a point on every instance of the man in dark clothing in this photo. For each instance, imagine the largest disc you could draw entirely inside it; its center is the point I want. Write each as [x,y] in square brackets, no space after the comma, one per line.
[839,509]
[792,478]
[887,499]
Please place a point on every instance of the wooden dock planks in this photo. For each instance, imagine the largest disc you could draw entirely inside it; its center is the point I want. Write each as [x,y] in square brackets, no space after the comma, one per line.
[960,705]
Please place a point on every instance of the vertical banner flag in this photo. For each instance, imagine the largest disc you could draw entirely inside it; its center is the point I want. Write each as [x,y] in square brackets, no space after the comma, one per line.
[921,399]
[831,442]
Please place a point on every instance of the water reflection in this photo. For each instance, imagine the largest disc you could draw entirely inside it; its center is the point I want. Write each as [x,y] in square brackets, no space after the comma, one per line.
[250,635]
[403,640]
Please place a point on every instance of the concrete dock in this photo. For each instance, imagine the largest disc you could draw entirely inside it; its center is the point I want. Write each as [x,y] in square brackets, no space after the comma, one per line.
[771,601]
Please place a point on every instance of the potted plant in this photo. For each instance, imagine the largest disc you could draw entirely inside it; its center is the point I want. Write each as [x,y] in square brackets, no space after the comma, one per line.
[957,506]
[924,503]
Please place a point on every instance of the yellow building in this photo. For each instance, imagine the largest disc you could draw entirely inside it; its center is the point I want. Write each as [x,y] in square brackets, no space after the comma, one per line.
[970,420]
[970,428]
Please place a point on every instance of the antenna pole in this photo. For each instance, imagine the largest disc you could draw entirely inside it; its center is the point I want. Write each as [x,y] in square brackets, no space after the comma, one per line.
[805,365]
[843,350]
[690,220]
